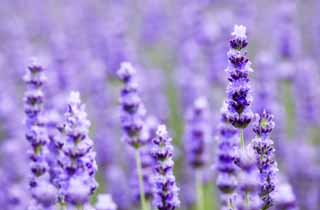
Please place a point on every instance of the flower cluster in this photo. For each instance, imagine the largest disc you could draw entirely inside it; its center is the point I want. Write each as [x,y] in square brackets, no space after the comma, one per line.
[264,149]
[249,181]
[165,189]
[132,109]
[78,162]
[42,191]
[237,108]
[197,133]
[228,145]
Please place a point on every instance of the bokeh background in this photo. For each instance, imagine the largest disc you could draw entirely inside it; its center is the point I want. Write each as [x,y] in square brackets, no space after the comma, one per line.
[179,50]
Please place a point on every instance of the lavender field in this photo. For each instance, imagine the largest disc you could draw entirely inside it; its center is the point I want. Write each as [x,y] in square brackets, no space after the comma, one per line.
[160,105]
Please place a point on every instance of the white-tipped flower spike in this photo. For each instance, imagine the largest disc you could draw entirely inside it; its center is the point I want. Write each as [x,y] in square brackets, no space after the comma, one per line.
[239,31]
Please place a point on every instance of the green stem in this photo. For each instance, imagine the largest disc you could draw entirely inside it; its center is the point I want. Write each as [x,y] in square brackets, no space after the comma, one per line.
[242,143]
[230,205]
[141,187]
[63,206]
[80,207]
[199,188]
[243,147]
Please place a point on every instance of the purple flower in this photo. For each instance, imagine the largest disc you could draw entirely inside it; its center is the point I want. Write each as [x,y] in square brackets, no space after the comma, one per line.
[165,188]
[228,144]
[78,162]
[237,105]
[105,202]
[132,109]
[284,197]
[197,133]
[249,181]
[37,137]
[264,149]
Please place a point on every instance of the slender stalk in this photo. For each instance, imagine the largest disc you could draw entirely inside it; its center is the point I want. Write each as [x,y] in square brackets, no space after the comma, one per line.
[63,206]
[230,205]
[141,186]
[242,143]
[243,146]
[199,189]
[80,207]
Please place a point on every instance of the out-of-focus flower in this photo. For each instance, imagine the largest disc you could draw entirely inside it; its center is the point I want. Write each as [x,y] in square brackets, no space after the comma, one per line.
[197,133]
[105,202]
[132,109]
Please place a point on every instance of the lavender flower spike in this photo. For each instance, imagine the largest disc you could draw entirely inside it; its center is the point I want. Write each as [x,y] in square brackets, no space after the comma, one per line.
[237,109]
[228,144]
[197,133]
[165,189]
[132,118]
[263,146]
[79,163]
[132,109]
[249,181]
[42,191]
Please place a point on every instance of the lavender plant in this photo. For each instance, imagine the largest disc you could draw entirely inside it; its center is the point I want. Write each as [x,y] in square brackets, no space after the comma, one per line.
[165,188]
[196,142]
[78,160]
[132,119]
[265,150]
[43,192]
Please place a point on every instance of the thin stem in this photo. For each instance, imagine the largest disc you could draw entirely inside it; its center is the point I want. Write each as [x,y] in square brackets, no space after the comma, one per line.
[243,147]
[242,143]
[80,207]
[141,186]
[199,188]
[63,206]
[230,205]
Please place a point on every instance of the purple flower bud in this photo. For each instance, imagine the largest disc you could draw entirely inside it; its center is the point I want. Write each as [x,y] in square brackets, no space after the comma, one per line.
[165,189]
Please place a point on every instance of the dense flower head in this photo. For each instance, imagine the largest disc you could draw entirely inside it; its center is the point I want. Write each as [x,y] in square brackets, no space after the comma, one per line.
[37,136]
[165,188]
[263,124]
[249,181]
[78,162]
[228,144]
[197,133]
[237,108]
[132,111]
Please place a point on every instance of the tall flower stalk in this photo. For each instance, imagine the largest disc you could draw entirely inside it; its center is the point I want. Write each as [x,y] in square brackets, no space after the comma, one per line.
[132,119]
[79,164]
[43,192]
[196,140]
[265,150]
[237,110]
[165,188]
[228,144]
